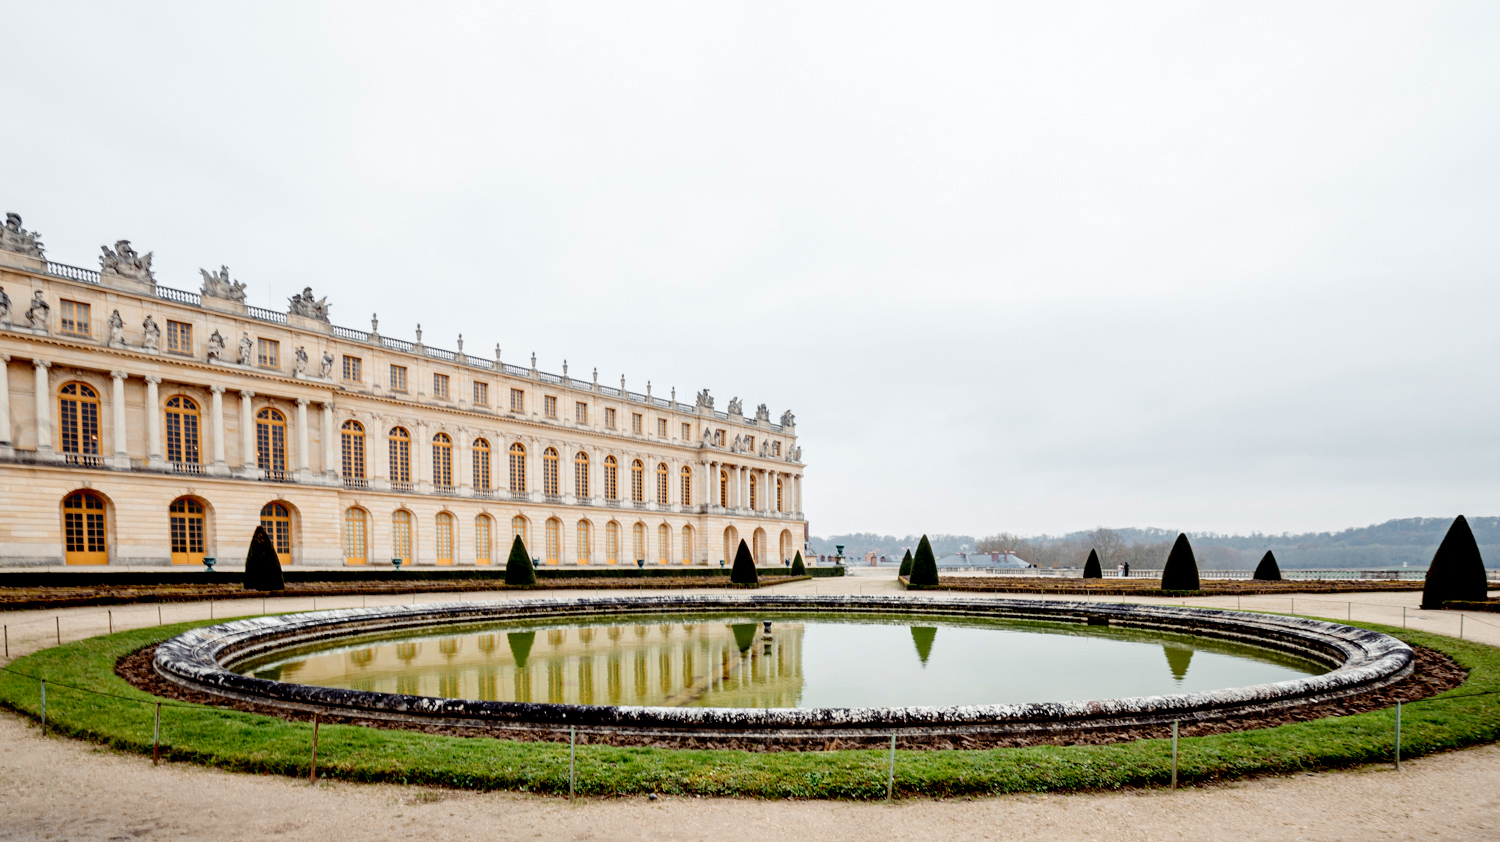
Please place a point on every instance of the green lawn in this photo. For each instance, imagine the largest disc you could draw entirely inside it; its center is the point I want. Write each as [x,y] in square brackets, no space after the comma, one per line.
[1465,716]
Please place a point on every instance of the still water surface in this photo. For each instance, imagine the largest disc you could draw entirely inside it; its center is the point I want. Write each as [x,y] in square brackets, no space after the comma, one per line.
[808,661]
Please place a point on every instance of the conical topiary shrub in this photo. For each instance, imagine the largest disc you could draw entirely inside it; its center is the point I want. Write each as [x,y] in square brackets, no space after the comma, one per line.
[262,565]
[905,565]
[518,568]
[1091,568]
[1268,570]
[743,572]
[798,568]
[923,565]
[1457,571]
[1181,570]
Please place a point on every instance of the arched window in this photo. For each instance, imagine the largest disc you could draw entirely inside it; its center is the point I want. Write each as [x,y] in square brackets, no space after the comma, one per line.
[484,541]
[611,478]
[778,495]
[663,544]
[353,437]
[687,545]
[724,489]
[754,490]
[185,516]
[731,544]
[758,547]
[518,529]
[84,529]
[442,461]
[481,465]
[786,545]
[585,542]
[687,486]
[277,520]
[182,430]
[549,472]
[612,543]
[270,442]
[78,419]
[554,541]
[637,482]
[581,476]
[400,459]
[356,539]
[444,538]
[518,468]
[401,536]
[638,533]
[661,484]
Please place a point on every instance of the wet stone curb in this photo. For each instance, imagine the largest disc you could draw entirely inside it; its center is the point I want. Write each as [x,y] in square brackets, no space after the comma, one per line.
[1359,660]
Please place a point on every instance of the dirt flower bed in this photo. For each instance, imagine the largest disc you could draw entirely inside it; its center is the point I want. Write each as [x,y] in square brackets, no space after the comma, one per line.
[18,599]
[1152,587]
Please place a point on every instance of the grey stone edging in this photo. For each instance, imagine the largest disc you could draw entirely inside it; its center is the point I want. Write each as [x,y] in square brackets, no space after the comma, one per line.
[1362,660]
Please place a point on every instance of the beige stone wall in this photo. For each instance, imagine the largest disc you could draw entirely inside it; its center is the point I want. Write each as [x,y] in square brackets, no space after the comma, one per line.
[139,484]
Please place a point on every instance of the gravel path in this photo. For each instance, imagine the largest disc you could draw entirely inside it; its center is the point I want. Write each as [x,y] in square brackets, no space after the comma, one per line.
[61,789]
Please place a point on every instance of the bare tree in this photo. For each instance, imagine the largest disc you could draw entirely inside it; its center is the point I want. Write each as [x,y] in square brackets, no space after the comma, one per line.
[1109,544]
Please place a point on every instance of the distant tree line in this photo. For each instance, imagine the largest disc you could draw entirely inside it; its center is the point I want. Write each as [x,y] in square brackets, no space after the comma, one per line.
[1408,541]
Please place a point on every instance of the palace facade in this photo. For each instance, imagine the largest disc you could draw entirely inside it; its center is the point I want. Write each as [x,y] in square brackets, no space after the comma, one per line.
[141,424]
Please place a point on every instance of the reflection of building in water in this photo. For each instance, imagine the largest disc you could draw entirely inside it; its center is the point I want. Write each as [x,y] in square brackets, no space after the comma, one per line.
[703,664]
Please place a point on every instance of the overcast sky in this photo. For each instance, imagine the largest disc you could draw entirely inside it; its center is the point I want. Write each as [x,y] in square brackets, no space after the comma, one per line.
[1031,267]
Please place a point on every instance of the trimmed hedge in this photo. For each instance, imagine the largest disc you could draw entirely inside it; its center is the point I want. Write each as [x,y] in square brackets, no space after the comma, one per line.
[262,565]
[1180,573]
[1091,569]
[1457,570]
[924,571]
[1268,570]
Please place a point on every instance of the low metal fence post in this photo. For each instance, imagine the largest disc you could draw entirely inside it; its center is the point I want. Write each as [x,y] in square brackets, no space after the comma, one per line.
[1174,754]
[59,630]
[7,643]
[1403,616]
[572,758]
[1460,627]
[1398,736]
[111,621]
[890,779]
[312,771]
[156,738]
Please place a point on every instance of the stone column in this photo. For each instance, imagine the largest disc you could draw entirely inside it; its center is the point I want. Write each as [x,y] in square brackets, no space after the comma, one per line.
[565,485]
[331,464]
[303,472]
[117,399]
[6,448]
[248,467]
[44,446]
[797,483]
[421,448]
[220,467]
[744,501]
[153,424]
[378,449]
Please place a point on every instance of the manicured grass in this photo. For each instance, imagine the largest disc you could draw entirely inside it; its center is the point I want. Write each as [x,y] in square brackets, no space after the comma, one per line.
[1467,715]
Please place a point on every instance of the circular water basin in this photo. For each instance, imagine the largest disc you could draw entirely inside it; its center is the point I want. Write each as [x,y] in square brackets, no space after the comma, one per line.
[797,661]
[705,665]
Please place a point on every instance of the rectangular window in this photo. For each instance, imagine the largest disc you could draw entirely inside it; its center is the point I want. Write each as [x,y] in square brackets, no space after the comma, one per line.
[549,406]
[398,378]
[517,400]
[353,371]
[440,386]
[179,337]
[749,444]
[687,432]
[776,448]
[581,412]
[268,353]
[481,393]
[661,427]
[719,437]
[609,418]
[75,318]
[635,422]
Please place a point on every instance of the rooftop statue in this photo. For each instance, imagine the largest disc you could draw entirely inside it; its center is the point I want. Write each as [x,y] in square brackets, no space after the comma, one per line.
[762,414]
[736,408]
[218,285]
[17,239]
[788,419]
[304,305]
[125,262]
[705,400]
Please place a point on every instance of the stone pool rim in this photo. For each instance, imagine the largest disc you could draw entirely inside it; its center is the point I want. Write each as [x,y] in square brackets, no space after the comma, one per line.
[1361,661]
